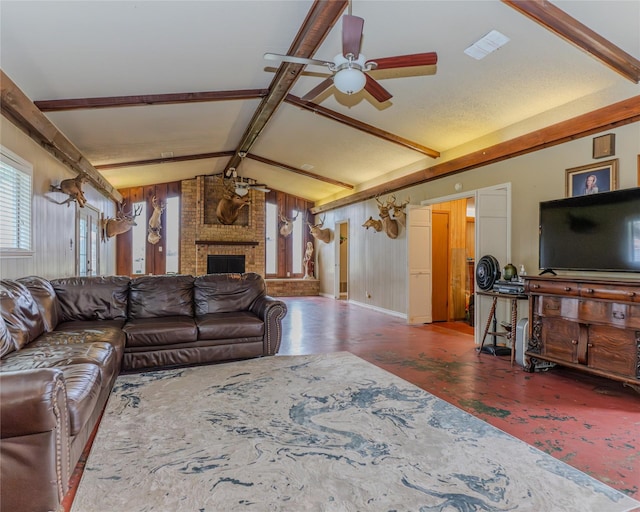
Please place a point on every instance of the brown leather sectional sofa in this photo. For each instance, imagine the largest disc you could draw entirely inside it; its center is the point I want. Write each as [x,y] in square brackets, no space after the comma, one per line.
[63,343]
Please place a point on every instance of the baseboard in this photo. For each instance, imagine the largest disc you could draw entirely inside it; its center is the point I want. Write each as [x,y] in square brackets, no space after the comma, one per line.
[327,295]
[379,310]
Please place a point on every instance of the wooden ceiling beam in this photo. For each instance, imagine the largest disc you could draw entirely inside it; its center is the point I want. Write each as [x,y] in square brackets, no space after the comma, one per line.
[18,108]
[148,99]
[366,128]
[322,16]
[300,171]
[168,160]
[606,118]
[570,29]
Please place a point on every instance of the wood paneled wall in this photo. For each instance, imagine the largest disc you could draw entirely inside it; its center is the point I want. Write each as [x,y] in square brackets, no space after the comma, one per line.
[155,254]
[287,204]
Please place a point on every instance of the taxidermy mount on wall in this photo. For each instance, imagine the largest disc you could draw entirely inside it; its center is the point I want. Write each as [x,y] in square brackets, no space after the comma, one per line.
[73,188]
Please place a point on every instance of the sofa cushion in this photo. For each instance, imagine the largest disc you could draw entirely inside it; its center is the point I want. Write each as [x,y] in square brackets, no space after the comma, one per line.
[223,293]
[45,297]
[92,298]
[83,383]
[102,355]
[160,296]
[237,324]
[149,332]
[85,332]
[20,313]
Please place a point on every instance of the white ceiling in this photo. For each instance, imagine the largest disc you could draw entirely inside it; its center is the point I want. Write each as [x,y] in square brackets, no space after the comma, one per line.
[62,50]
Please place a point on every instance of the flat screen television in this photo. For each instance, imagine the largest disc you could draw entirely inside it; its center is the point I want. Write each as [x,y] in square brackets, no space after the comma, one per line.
[591,232]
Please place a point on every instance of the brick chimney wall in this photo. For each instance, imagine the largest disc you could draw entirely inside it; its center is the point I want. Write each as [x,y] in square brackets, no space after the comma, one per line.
[202,234]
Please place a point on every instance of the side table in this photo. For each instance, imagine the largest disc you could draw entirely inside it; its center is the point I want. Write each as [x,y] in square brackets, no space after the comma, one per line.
[514,298]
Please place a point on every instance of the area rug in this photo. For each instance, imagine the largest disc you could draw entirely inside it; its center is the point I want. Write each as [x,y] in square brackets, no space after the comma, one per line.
[324,432]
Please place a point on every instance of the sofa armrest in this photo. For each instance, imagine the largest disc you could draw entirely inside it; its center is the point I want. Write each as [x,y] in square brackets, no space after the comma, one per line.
[271,311]
[34,453]
[31,401]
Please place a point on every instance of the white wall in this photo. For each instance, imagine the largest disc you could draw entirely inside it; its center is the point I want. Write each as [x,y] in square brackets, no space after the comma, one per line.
[377,264]
[54,225]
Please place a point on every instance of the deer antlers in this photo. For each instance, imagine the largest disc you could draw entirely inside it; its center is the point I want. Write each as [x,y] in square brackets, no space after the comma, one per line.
[391,226]
[287,224]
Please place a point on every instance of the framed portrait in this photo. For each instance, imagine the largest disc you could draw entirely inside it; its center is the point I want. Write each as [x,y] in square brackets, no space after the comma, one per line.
[592,178]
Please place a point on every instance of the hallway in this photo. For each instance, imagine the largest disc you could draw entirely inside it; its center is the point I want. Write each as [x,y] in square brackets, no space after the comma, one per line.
[588,422]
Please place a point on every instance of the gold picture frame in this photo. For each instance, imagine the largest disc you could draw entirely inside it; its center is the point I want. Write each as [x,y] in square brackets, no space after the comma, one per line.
[592,178]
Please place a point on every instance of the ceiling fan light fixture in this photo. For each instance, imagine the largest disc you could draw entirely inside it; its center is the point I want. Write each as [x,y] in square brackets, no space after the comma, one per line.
[349,77]
[349,80]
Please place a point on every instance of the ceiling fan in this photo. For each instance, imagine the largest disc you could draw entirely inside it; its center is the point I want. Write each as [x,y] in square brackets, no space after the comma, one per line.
[350,68]
[242,185]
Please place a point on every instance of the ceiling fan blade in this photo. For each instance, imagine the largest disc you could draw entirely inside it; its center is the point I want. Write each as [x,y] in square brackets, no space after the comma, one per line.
[318,89]
[376,90]
[297,60]
[351,35]
[406,61]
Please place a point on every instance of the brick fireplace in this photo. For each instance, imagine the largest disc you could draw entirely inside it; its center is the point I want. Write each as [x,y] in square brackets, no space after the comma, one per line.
[203,235]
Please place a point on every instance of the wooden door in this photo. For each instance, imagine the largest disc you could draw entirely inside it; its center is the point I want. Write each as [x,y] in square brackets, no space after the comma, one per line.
[419,289]
[440,259]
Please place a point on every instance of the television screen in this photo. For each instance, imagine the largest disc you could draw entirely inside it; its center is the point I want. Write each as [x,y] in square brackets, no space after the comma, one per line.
[594,232]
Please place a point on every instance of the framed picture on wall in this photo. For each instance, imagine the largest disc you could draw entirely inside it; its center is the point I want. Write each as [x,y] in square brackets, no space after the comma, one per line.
[592,178]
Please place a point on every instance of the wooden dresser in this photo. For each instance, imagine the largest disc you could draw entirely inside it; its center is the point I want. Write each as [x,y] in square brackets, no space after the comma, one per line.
[588,324]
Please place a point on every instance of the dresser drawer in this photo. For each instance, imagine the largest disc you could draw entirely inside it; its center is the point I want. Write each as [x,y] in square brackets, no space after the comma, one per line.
[562,307]
[623,316]
[567,288]
[603,291]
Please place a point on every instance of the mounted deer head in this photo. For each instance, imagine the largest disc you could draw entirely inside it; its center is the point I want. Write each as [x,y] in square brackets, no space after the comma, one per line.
[376,224]
[320,233]
[73,188]
[154,222]
[389,225]
[230,204]
[399,212]
[287,224]
[122,223]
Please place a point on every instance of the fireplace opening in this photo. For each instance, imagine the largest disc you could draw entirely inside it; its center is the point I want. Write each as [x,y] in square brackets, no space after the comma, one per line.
[225,264]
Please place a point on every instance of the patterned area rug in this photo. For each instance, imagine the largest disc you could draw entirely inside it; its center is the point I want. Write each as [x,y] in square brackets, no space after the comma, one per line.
[325,432]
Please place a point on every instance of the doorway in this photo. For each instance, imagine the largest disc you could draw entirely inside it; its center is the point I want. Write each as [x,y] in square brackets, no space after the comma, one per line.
[453,250]
[88,237]
[341,283]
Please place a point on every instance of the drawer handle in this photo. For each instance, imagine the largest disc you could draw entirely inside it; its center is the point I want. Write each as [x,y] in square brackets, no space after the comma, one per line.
[631,294]
[535,286]
[574,342]
[552,307]
[567,288]
[589,290]
[619,315]
[590,345]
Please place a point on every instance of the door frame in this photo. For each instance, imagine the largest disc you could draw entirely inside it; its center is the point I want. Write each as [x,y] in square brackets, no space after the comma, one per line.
[481,307]
[337,263]
[94,227]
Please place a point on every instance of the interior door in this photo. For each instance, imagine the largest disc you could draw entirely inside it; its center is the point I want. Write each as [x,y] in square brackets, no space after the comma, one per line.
[419,264]
[493,236]
[440,266]
[87,235]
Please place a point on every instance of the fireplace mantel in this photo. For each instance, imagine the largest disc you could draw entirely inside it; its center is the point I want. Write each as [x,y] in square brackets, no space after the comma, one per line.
[226,242]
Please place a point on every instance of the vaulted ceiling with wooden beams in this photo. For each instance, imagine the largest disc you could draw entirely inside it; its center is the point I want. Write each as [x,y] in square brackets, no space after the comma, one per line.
[157,91]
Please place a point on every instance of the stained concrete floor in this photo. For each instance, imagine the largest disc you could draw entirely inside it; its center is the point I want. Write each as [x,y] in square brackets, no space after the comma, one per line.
[589,422]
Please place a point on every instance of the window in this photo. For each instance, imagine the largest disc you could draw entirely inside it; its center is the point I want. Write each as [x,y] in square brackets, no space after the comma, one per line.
[172,234]
[139,244]
[15,204]
[272,238]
